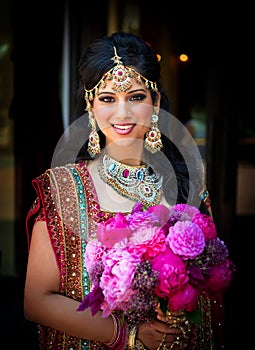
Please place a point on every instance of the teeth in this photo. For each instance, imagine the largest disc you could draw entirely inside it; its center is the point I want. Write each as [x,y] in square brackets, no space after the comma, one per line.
[123,127]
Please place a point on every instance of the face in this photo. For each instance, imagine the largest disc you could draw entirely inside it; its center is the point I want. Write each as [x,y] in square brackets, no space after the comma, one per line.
[124,117]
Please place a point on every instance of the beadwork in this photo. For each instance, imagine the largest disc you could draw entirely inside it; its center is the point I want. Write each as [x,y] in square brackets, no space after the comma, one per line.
[139,183]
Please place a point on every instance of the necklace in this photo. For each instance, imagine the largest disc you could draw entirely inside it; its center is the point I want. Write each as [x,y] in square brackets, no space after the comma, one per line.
[139,183]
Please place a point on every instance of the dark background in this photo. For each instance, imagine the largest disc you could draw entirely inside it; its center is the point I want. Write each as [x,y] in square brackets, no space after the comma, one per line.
[218,38]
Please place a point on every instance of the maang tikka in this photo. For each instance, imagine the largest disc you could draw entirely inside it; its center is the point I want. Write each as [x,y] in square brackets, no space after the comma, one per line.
[153,142]
[121,76]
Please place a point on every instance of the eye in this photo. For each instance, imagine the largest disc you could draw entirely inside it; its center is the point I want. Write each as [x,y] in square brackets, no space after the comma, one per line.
[137,97]
[106,99]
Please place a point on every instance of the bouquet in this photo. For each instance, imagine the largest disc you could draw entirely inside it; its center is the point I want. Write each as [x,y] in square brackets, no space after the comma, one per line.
[157,256]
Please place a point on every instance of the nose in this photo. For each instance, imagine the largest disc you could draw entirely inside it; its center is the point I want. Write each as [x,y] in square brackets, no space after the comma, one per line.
[123,110]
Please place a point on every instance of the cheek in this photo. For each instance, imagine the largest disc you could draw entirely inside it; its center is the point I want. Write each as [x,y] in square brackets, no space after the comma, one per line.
[101,118]
[143,118]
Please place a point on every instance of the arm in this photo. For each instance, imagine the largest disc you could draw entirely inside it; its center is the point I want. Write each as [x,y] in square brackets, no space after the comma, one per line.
[43,304]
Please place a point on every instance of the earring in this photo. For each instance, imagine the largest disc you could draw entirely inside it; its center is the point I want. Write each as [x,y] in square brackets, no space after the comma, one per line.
[153,142]
[93,144]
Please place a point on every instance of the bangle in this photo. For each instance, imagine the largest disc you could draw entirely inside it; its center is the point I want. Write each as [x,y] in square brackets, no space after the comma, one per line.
[119,333]
[131,337]
[115,332]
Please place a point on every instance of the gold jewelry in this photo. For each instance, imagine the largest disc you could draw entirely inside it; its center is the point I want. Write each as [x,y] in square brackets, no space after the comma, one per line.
[94,142]
[139,183]
[131,337]
[121,76]
[139,345]
[153,142]
[177,343]
[162,343]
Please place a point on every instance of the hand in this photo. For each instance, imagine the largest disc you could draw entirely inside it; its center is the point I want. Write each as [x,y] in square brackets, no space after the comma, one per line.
[156,333]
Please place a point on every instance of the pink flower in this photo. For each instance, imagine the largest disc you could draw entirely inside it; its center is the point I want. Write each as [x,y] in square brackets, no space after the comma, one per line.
[95,252]
[113,230]
[116,280]
[183,212]
[185,298]
[186,239]
[147,242]
[207,225]
[146,256]
[161,211]
[220,276]
[172,272]
[142,219]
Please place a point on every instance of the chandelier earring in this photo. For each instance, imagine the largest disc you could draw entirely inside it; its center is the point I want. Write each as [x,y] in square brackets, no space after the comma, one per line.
[153,142]
[94,141]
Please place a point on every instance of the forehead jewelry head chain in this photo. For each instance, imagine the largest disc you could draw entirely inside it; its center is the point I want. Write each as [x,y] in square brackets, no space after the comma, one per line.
[121,76]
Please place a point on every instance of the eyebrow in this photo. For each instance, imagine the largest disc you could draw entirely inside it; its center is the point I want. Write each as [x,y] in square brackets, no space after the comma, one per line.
[128,92]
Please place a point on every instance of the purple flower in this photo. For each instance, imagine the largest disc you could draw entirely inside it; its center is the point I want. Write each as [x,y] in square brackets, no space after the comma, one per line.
[182,212]
[94,300]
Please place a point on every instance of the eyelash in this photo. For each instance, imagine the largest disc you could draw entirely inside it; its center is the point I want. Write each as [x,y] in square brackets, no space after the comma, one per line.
[134,98]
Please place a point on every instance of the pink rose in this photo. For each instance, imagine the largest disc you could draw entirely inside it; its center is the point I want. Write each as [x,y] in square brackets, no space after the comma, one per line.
[220,276]
[172,272]
[206,224]
[185,298]
[113,230]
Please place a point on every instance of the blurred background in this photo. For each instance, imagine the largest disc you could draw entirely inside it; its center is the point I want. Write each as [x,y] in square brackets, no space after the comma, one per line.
[207,66]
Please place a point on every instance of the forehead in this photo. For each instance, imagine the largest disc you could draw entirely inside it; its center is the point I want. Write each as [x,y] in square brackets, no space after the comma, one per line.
[122,87]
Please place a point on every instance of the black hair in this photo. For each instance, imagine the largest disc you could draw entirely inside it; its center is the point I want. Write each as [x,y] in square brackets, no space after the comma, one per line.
[134,52]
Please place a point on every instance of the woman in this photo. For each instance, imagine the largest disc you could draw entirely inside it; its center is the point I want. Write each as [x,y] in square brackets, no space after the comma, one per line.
[127,160]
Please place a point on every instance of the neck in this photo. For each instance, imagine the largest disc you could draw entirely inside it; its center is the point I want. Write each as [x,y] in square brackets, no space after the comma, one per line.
[130,155]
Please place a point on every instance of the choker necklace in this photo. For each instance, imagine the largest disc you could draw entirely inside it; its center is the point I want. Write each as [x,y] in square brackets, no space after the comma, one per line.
[139,183]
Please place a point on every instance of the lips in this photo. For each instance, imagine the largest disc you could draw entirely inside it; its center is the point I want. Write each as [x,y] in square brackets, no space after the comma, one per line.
[123,129]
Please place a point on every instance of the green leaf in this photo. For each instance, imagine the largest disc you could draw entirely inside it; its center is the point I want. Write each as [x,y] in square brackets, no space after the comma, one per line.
[163,305]
[194,316]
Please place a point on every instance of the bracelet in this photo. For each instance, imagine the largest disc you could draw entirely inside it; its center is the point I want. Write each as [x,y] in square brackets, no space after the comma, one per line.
[131,337]
[119,334]
[115,332]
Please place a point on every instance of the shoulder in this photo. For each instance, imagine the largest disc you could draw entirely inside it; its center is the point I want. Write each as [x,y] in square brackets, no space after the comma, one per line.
[61,170]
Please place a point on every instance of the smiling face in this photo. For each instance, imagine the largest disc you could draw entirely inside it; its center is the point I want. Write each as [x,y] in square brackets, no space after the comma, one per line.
[124,117]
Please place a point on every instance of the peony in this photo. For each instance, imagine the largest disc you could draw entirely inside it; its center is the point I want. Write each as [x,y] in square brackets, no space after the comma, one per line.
[95,252]
[117,277]
[206,224]
[220,276]
[185,298]
[159,255]
[172,272]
